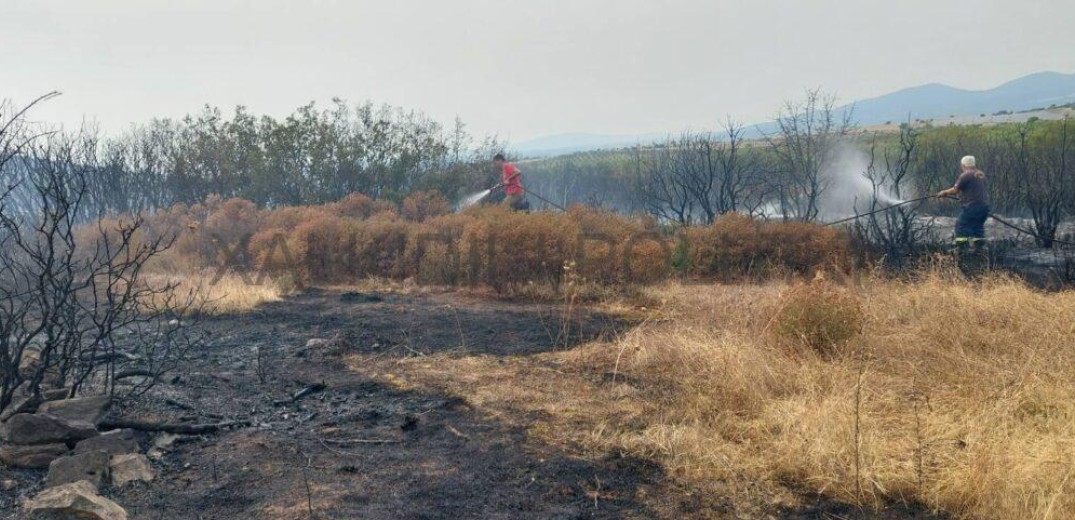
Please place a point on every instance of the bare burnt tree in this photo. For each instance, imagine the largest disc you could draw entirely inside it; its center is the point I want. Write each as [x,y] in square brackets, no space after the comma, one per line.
[697,176]
[805,144]
[662,187]
[1046,180]
[75,307]
[900,232]
[738,170]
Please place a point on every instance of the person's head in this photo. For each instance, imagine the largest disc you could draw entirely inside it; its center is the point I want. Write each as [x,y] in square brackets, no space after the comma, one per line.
[499,159]
[969,163]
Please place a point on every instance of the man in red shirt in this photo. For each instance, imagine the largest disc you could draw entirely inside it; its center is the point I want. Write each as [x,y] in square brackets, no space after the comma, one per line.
[511,180]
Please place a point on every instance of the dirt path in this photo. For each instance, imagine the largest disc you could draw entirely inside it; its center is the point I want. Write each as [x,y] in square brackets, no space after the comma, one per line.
[433,407]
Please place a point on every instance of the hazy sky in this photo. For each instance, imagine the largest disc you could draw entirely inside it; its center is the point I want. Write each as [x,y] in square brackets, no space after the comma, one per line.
[520,69]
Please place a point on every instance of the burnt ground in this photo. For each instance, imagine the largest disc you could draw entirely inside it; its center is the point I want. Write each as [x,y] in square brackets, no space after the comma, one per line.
[370,446]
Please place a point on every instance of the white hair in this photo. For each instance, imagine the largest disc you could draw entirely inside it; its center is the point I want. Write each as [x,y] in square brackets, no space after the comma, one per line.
[969,161]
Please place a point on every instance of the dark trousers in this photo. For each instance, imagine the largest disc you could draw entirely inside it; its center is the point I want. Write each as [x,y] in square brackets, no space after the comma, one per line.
[971,222]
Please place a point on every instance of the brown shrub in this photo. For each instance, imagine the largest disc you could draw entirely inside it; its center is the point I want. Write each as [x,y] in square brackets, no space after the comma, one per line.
[736,246]
[323,248]
[513,249]
[613,248]
[360,237]
[377,249]
[359,206]
[433,254]
[423,205]
[288,218]
[216,228]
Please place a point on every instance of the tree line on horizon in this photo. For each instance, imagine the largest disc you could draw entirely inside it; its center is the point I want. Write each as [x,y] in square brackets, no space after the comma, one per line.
[321,154]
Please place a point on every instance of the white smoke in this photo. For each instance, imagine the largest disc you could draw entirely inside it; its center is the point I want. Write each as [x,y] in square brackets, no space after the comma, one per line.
[849,190]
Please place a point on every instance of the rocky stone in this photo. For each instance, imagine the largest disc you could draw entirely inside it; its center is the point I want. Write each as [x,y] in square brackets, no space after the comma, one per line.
[122,433]
[55,394]
[112,444]
[87,409]
[32,457]
[8,484]
[24,404]
[129,468]
[91,467]
[316,342]
[78,500]
[165,440]
[29,363]
[27,429]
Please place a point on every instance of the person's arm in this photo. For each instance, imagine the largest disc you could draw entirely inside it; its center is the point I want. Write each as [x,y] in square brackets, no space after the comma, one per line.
[954,190]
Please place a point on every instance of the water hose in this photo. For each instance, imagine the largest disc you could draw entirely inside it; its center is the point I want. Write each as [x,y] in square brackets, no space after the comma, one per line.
[547,201]
[920,199]
[876,211]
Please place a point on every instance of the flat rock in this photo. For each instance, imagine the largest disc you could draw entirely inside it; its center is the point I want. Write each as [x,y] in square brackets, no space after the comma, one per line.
[29,403]
[25,404]
[55,394]
[31,457]
[78,500]
[112,444]
[133,467]
[87,409]
[91,467]
[27,429]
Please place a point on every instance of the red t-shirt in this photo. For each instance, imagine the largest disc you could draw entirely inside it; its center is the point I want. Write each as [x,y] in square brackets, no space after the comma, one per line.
[515,185]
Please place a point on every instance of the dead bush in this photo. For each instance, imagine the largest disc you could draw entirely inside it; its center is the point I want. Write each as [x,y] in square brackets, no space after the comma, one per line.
[216,228]
[510,249]
[359,206]
[378,247]
[737,246]
[433,254]
[616,249]
[323,248]
[423,205]
[820,316]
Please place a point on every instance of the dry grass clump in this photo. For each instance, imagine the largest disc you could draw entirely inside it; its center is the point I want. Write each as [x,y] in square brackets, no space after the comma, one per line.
[820,316]
[221,294]
[963,397]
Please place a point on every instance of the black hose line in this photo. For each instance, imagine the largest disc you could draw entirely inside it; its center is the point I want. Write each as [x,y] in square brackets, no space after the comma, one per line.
[547,201]
[920,199]
[1029,232]
[876,211]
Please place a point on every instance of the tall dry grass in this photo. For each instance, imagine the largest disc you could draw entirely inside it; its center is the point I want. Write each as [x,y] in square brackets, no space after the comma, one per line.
[956,395]
[225,294]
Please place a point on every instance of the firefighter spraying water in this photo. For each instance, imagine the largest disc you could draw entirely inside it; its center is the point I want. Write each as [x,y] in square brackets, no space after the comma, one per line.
[514,191]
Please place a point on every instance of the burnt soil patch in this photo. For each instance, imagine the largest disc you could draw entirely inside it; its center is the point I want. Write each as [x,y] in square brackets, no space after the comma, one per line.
[327,439]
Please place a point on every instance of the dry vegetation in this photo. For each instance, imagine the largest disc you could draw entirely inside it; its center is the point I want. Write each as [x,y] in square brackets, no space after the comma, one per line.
[955,396]
[940,392]
[358,238]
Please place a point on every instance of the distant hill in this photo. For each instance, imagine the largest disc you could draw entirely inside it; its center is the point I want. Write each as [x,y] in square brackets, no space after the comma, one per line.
[567,143]
[932,101]
[936,101]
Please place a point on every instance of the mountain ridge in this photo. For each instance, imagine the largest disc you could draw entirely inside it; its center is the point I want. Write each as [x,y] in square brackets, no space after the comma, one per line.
[921,102]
